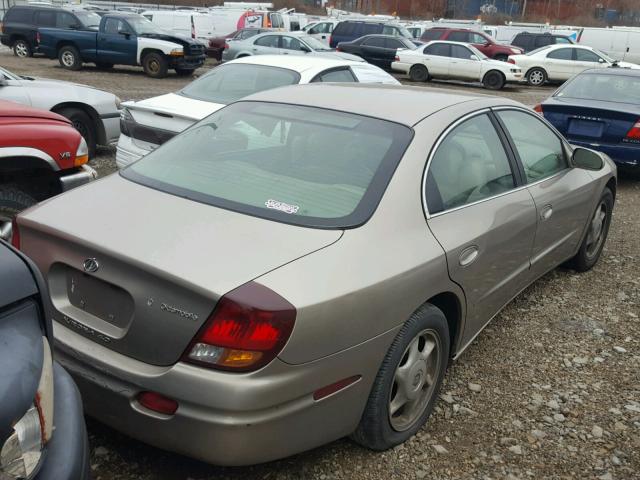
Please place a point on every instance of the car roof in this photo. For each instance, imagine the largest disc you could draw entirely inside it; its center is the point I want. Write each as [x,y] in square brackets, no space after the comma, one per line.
[402,104]
[299,63]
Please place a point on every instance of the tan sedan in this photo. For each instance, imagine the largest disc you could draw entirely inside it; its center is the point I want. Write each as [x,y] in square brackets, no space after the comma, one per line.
[302,265]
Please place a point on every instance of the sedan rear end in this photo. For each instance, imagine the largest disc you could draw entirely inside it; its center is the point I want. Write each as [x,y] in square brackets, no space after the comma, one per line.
[600,109]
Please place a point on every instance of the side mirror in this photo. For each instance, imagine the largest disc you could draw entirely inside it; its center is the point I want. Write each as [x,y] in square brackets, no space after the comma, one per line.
[127,35]
[601,60]
[586,159]
[473,57]
[304,49]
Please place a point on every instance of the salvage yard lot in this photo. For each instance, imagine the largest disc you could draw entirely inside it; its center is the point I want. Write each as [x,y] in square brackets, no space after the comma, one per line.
[551,389]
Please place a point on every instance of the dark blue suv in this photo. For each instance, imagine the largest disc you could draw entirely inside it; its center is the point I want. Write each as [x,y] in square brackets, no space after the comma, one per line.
[349,30]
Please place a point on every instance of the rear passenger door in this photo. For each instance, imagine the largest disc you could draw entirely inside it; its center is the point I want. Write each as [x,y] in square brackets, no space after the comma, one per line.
[559,64]
[267,45]
[437,58]
[482,220]
[560,192]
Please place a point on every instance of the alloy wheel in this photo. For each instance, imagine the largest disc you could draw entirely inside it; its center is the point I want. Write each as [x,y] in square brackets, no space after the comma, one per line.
[536,77]
[21,50]
[596,233]
[68,59]
[414,380]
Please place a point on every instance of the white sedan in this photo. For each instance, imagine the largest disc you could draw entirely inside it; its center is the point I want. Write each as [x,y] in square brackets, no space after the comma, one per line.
[94,113]
[149,123]
[455,61]
[560,62]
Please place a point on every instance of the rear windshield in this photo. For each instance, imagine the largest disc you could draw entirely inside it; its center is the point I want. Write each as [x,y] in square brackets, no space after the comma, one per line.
[231,82]
[608,88]
[299,165]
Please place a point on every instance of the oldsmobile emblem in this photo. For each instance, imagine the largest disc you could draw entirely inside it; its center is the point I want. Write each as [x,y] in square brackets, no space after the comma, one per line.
[91,265]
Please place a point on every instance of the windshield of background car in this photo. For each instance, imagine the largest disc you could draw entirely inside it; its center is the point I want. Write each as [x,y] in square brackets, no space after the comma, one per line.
[533,52]
[313,43]
[143,26]
[478,53]
[231,82]
[607,88]
[300,165]
[88,19]
[604,55]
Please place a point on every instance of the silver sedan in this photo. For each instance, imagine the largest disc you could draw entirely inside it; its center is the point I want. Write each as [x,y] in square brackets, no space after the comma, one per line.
[282,43]
[328,255]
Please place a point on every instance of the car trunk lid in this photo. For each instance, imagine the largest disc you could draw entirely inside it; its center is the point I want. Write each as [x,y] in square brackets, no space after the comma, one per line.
[139,270]
[591,121]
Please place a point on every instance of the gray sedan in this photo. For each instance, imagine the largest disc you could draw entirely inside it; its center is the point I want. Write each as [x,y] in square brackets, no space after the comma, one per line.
[328,255]
[94,113]
[282,43]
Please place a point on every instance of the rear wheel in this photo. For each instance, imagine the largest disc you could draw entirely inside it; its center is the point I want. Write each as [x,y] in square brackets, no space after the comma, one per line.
[493,80]
[69,58]
[597,231]
[83,123]
[419,73]
[22,49]
[536,77]
[407,384]
[12,201]
[183,72]
[155,65]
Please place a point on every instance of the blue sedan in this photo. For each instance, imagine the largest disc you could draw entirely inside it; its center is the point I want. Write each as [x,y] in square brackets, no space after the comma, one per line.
[600,109]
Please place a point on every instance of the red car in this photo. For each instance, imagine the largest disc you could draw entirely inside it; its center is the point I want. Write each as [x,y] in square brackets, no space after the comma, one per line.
[41,155]
[480,40]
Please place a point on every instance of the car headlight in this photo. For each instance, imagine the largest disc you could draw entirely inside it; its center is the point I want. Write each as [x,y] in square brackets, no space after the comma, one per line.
[177,52]
[21,454]
[82,153]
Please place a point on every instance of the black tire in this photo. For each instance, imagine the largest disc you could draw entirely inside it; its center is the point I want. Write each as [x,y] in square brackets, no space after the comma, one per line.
[183,72]
[419,73]
[84,124]
[375,430]
[104,66]
[501,57]
[22,48]
[69,58]
[589,253]
[493,80]
[155,65]
[536,77]
[12,201]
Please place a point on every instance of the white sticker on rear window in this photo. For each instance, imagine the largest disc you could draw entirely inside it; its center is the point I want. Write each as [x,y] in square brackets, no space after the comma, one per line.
[283,207]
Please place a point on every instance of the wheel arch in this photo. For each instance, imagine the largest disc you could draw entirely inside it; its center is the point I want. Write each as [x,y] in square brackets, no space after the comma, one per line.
[504,77]
[612,185]
[101,136]
[32,174]
[147,50]
[452,306]
[65,43]
[536,67]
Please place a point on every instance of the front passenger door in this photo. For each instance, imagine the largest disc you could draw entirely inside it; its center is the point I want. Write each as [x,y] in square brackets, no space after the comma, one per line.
[484,223]
[560,193]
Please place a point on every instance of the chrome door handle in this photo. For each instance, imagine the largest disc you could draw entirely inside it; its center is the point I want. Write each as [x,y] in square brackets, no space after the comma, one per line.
[546,212]
[468,255]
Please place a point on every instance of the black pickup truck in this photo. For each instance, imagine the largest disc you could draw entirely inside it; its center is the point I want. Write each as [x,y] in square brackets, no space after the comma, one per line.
[123,39]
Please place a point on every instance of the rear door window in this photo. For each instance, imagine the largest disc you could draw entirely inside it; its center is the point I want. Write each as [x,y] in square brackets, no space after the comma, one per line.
[290,43]
[268,41]
[46,18]
[469,165]
[393,43]
[438,49]
[561,54]
[374,42]
[371,28]
[300,165]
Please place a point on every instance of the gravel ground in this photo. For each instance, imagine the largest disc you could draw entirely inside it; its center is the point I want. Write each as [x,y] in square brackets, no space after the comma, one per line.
[551,389]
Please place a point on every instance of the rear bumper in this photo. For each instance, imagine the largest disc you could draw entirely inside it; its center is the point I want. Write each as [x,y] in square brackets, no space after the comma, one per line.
[215,52]
[68,451]
[224,418]
[77,177]
[623,155]
[128,152]
[400,67]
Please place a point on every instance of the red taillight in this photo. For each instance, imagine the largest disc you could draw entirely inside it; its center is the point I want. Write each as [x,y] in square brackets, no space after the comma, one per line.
[226,45]
[634,133]
[248,328]
[338,49]
[15,234]
[158,403]
[538,108]
[38,38]
[396,59]
[511,60]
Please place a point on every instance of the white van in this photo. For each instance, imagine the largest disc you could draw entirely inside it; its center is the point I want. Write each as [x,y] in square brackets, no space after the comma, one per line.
[620,43]
[321,29]
[184,22]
